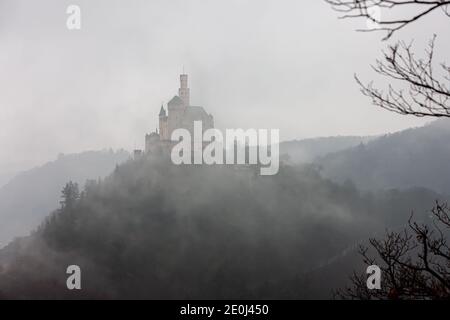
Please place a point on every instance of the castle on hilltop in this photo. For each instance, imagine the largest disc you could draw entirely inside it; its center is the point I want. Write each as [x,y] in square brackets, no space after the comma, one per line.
[179,114]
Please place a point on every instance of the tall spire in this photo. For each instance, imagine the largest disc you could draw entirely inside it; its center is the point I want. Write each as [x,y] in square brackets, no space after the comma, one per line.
[183,91]
[162,112]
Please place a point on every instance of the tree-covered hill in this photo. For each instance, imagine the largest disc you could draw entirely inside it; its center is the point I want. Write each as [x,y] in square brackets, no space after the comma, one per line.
[155,230]
[417,157]
[32,194]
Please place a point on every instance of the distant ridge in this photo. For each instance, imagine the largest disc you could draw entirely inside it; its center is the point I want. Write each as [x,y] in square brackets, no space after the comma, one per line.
[416,157]
[307,150]
[31,195]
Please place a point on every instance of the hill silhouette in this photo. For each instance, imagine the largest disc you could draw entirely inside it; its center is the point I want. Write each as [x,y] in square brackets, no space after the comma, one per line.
[31,195]
[417,157]
[154,230]
[308,150]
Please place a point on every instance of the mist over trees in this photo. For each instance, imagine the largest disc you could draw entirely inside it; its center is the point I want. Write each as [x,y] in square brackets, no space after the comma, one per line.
[155,230]
[29,197]
[309,150]
[417,157]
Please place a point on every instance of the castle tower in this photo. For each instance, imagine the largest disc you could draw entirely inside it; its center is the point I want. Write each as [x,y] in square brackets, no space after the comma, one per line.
[163,124]
[183,91]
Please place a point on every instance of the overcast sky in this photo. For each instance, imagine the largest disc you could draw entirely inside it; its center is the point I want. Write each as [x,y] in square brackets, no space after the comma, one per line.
[252,63]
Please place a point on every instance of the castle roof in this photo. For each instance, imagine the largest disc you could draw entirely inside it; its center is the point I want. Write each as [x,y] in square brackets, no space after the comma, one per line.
[194,113]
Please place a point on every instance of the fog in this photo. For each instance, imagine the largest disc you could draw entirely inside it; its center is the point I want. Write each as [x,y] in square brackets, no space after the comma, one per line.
[252,64]
[155,230]
[140,226]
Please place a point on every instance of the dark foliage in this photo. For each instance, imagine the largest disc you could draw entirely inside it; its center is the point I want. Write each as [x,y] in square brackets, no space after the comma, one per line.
[154,230]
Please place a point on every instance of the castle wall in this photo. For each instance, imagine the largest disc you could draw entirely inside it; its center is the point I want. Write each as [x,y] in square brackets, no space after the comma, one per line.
[174,120]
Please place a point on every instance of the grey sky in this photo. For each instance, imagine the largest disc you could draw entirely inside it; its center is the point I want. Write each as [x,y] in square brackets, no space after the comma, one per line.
[252,63]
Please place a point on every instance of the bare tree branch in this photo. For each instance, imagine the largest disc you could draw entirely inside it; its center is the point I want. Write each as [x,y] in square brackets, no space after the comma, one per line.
[427,93]
[415,263]
[362,9]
